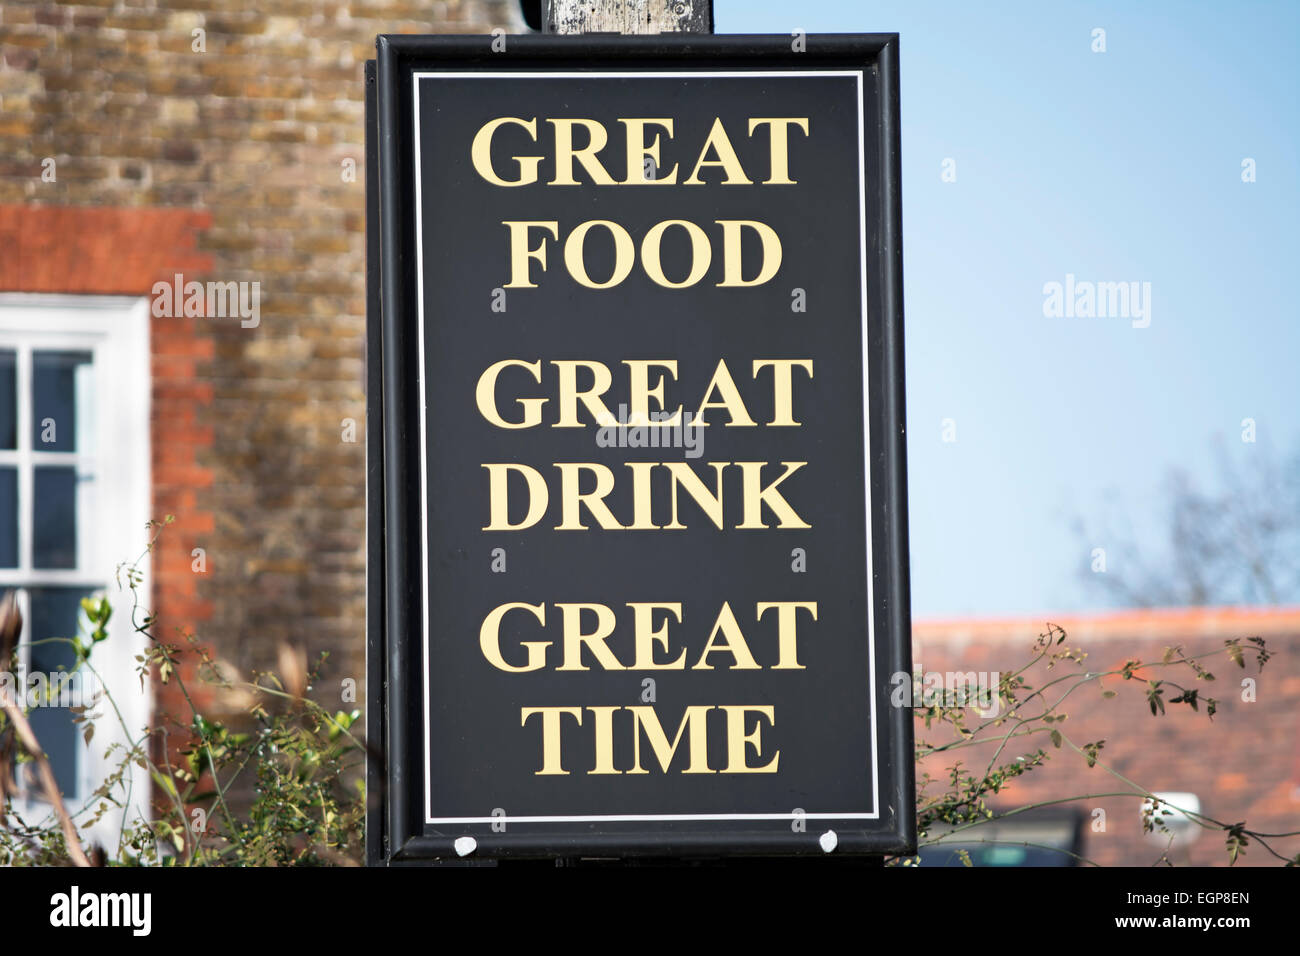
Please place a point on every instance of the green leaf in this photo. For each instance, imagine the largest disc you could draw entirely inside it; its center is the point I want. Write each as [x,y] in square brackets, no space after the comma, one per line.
[164,781]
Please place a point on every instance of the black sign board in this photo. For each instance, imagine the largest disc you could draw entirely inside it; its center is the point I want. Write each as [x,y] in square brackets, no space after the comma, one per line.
[638,559]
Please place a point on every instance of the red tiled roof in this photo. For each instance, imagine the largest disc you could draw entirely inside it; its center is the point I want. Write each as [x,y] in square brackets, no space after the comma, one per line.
[1162,623]
[1242,765]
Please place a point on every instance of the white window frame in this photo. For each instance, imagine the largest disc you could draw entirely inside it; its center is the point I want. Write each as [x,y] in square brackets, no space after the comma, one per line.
[111,529]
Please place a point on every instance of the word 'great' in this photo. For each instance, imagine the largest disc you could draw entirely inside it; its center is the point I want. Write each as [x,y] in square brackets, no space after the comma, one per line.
[640,147]
[644,140]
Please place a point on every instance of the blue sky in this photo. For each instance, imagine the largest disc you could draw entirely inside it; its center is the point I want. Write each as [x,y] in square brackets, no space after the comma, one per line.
[1117,166]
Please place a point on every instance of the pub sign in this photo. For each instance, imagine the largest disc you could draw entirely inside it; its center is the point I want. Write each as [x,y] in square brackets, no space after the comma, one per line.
[637,512]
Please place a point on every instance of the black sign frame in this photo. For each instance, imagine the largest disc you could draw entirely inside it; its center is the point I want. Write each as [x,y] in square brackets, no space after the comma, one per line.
[396,832]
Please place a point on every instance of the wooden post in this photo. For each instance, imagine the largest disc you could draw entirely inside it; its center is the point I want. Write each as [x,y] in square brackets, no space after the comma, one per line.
[627,16]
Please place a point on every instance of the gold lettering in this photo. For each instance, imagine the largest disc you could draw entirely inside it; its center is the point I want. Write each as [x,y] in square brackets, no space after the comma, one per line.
[521,255]
[647,636]
[489,639]
[694,722]
[485,395]
[732,270]
[481,153]
[779,174]
[498,492]
[641,392]
[735,645]
[550,735]
[783,387]
[565,154]
[685,477]
[572,500]
[624,254]
[787,614]
[756,495]
[570,395]
[574,639]
[727,158]
[638,149]
[604,740]
[725,386]
[701,253]
[737,739]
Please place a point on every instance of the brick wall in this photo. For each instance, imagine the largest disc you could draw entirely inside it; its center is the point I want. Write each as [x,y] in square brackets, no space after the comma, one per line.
[226,164]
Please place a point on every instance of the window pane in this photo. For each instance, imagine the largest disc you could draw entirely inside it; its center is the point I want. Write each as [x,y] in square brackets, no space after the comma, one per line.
[54,524]
[8,517]
[61,406]
[8,399]
[55,612]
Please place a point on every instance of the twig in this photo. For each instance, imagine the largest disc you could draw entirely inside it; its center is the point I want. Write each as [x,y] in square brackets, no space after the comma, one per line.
[33,747]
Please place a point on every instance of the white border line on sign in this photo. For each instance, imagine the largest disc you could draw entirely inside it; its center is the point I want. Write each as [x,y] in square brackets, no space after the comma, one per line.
[866,425]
